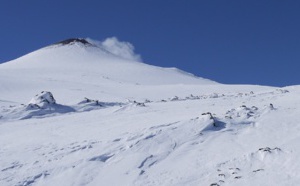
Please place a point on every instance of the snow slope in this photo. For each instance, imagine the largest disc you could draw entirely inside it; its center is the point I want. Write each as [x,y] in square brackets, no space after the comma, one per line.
[111,121]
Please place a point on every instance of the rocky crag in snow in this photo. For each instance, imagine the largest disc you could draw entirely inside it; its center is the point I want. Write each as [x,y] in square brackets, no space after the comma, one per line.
[42,100]
[111,119]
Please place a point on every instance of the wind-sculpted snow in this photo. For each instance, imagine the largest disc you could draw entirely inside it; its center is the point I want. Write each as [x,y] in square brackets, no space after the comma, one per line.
[211,140]
[249,166]
[105,120]
[44,105]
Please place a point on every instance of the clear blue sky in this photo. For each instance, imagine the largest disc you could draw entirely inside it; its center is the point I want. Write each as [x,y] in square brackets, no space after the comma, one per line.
[234,41]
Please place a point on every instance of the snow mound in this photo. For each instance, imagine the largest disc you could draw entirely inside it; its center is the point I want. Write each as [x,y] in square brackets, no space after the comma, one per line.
[44,105]
[249,166]
[42,99]
[247,115]
[40,106]
[242,113]
[88,104]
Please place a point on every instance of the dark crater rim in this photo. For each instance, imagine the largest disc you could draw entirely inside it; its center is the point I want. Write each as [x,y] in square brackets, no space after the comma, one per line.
[73,40]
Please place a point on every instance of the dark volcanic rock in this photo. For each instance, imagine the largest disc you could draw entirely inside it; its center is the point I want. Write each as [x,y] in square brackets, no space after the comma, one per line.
[73,40]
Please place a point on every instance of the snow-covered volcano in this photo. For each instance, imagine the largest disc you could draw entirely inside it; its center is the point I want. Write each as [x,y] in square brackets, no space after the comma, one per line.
[82,112]
[82,65]
[81,57]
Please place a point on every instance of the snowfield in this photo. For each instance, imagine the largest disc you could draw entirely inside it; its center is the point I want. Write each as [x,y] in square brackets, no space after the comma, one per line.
[75,114]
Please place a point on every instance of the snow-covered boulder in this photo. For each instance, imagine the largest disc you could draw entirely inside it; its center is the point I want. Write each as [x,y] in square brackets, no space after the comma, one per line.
[90,102]
[243,113]
[175,98]
[42,99]
[192,97]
